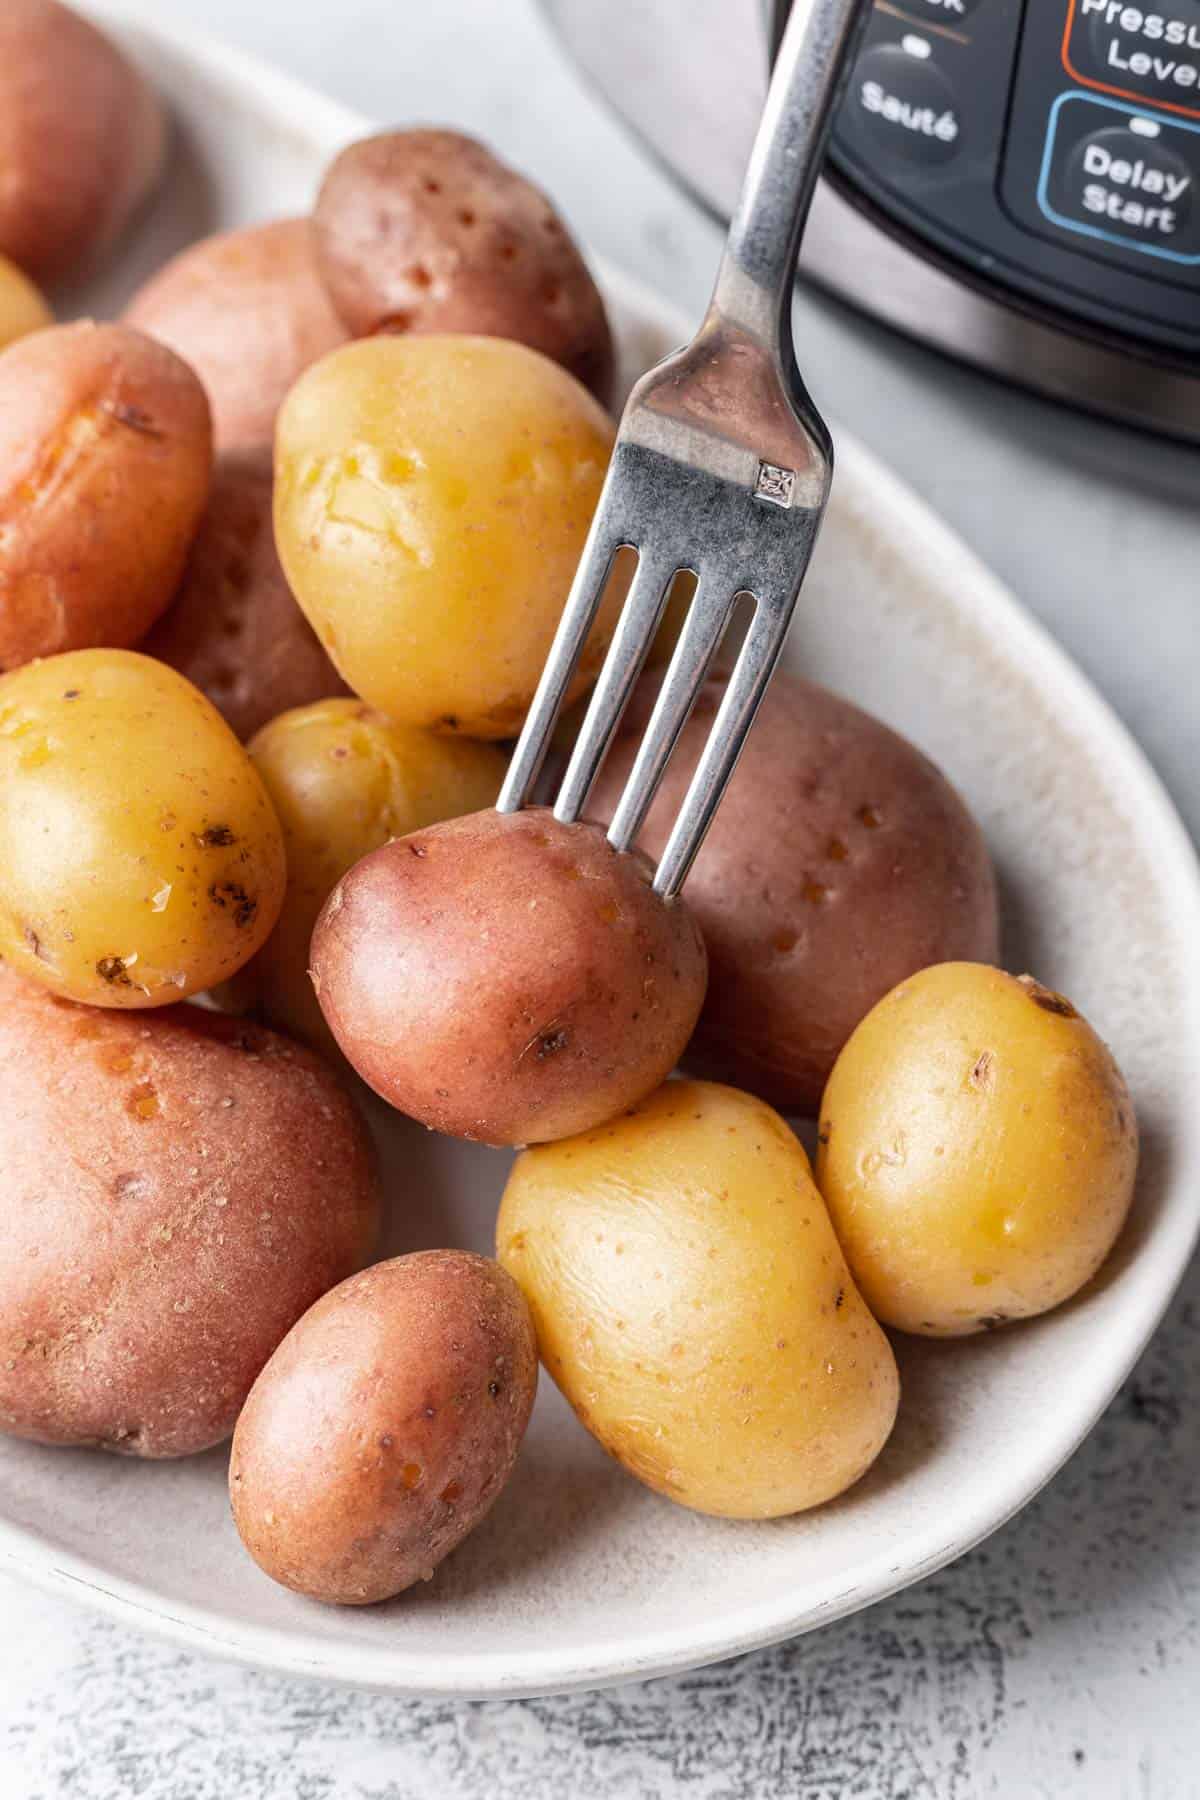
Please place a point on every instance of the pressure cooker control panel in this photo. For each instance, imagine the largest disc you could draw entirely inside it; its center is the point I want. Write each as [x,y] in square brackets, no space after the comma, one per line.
[1053,145]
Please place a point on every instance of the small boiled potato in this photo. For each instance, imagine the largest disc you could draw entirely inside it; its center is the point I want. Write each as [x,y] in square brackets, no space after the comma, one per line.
[140,858]
[432,499]
[692,1303]
[82,139]
[178,1188]
[343,780]
[105,463]
[427,231]
[22,308]
[248,310]
[233,628]
[384,1427]
[507,978]
[840,861]
[978,1150]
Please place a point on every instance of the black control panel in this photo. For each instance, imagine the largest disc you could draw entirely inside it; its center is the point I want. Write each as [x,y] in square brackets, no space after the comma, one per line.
[1051,145]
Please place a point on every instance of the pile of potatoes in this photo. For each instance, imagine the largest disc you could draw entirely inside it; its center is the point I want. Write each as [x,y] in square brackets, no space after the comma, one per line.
[281,555]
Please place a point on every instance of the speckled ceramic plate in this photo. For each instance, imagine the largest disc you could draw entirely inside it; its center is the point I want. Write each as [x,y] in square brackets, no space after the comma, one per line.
[579,1576]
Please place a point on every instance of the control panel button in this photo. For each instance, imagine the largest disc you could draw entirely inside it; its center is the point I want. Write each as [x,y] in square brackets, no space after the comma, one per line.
[1117,176]
[1122,177]
[1147,52]
[948,12]
[903,102]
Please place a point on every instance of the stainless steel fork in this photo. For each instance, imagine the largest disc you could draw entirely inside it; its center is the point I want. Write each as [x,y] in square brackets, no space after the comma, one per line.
[722,465]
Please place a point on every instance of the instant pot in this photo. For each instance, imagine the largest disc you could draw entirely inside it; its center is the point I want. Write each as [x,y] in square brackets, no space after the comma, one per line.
[1013,181]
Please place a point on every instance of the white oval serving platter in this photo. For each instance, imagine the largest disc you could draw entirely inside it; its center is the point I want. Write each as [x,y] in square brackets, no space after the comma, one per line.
[580,1577]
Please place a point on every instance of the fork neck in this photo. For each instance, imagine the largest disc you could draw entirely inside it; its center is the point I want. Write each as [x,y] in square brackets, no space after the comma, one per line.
[754,282]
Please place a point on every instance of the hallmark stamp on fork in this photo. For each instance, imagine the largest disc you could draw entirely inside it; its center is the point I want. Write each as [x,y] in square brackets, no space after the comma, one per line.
[774,484]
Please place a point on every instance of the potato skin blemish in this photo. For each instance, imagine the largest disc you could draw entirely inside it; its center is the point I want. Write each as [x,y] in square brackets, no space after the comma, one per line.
[232,894]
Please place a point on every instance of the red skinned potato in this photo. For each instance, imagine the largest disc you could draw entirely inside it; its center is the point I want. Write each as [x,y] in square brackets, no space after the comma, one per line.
[840,861]
[343,780]
[105,464]
[178,1189]
[427,231]
[249,312]
[507,978]
[384,1426]
[234,628]
[82,139]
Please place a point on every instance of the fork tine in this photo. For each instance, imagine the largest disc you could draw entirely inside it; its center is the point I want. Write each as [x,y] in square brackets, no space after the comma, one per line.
[583,603]
[747,684]
[694,652]
[644,606]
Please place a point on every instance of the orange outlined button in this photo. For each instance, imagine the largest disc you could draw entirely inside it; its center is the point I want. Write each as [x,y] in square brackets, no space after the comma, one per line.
[1149,53]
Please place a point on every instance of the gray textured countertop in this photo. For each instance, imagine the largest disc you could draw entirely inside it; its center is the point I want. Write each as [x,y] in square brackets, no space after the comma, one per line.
[1062,1658]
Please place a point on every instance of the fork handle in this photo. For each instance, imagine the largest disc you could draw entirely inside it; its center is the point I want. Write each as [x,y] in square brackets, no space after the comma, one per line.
[754,282]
